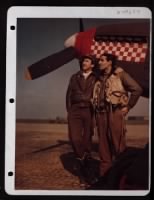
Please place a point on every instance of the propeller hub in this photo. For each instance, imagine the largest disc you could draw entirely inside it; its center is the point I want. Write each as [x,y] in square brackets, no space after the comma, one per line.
[70,41]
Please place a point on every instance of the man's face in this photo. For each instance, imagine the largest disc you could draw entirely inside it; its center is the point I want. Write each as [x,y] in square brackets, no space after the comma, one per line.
[87,64]
[103,63]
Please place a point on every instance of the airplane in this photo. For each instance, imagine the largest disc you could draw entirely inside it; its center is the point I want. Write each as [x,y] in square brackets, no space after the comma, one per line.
[129,41]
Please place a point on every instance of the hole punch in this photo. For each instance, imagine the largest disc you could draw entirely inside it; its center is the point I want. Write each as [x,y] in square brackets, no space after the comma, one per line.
[10,173]
[11,100]
[12,27]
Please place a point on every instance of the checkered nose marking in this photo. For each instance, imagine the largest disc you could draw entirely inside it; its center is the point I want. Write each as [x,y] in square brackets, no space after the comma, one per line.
[125,51]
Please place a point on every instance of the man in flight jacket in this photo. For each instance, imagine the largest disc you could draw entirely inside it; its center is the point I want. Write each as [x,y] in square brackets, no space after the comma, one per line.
[79,108]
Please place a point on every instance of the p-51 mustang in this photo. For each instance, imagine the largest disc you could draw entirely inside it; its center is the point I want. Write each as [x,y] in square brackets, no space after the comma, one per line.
[129,41]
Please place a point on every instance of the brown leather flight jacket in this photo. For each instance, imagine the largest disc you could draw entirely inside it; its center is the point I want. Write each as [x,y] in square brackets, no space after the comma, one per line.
[80,90]
[128,83]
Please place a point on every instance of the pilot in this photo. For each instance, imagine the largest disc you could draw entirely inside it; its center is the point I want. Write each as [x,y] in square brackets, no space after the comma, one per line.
[80,115]
[112,103]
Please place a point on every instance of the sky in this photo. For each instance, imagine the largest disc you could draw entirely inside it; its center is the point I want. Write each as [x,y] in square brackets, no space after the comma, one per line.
[44,98]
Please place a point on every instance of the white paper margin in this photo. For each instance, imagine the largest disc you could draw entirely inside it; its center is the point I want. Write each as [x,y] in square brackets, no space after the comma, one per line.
[10,119]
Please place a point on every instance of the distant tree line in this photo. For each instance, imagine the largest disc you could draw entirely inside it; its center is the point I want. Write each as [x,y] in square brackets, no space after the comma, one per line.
[59,120]
[62,120]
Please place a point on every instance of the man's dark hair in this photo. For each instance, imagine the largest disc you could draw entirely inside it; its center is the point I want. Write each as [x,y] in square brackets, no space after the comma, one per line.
[90,57]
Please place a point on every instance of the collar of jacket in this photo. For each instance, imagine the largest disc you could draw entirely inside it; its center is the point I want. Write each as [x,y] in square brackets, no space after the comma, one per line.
[80,74]
[116,72]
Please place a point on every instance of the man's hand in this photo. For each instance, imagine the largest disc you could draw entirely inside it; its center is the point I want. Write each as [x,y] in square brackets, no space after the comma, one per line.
[125,110]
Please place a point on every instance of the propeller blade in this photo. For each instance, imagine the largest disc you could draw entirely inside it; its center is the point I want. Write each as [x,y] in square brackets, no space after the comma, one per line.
[50,63]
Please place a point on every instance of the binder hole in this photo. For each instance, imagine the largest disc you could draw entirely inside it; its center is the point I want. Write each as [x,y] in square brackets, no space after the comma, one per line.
[10,173]
[12,27]
[11,100]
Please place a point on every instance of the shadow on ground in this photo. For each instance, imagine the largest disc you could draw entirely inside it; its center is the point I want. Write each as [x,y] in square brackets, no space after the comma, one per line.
[70,164]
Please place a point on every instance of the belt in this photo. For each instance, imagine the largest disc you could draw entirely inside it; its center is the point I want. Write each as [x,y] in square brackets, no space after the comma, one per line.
[108,108]
[115,106]
[101,110]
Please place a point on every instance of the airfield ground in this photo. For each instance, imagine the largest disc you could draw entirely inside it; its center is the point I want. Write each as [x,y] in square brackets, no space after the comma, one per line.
[44,157]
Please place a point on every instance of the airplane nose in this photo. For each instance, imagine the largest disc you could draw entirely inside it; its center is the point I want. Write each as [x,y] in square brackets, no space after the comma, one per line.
[70,41]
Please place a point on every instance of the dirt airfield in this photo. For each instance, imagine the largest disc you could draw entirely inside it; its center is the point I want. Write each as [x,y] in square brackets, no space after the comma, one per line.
[45,160]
